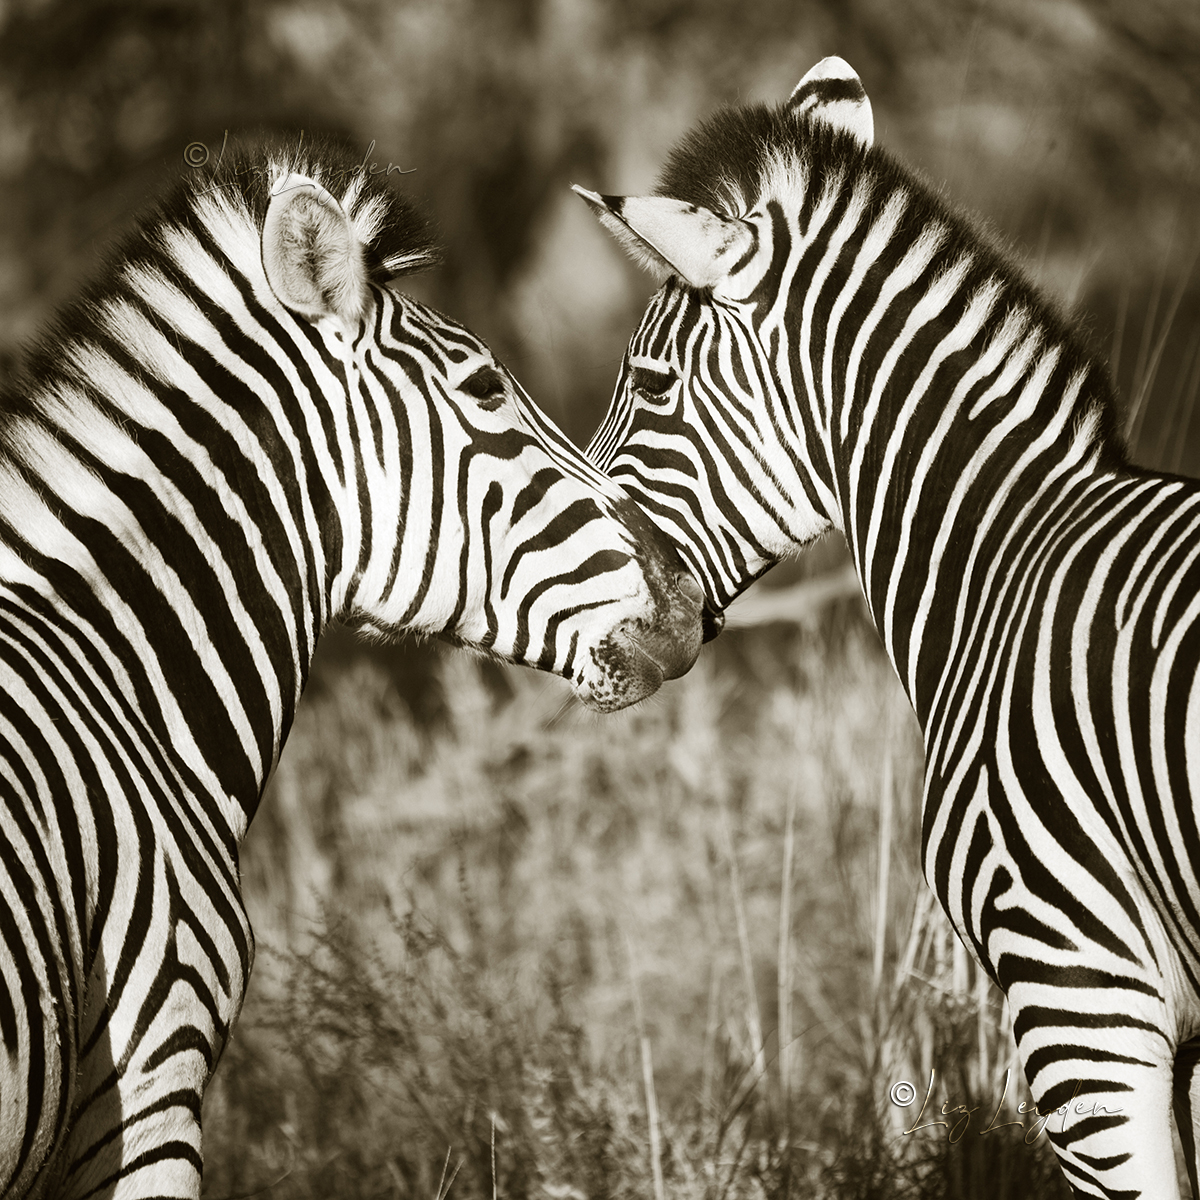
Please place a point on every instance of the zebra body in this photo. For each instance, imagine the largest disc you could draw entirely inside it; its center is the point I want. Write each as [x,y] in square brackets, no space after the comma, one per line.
[833,348]
[239,435]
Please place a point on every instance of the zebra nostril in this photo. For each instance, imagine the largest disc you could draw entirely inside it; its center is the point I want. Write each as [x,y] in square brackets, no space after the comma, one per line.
[689,587]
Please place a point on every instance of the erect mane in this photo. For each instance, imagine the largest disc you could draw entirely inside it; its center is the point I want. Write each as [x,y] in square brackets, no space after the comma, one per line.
[395,236]
[733,159]
[746,156]
[223,208]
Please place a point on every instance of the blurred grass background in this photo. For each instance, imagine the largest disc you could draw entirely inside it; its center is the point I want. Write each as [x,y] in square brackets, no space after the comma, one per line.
[506,948]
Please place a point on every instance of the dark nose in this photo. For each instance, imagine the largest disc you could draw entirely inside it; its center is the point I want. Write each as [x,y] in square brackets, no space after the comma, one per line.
[680,609]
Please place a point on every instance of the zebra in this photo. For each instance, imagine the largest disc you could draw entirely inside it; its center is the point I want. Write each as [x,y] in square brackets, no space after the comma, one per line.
[833,347]
[241,433]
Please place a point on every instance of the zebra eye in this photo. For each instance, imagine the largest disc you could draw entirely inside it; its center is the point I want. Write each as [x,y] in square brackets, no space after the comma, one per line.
[650,382]
[487,386]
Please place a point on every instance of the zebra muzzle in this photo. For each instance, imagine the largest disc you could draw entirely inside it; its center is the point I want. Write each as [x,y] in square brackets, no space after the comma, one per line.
[638,655]
[668,647]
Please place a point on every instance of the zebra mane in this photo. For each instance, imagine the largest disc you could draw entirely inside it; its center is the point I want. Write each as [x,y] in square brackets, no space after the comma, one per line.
[395,237]
[223,209]
[746,156]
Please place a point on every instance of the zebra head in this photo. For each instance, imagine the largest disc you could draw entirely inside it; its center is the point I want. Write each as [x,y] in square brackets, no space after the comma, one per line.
[240,433]
[715,431]
[461,510]
[244,431]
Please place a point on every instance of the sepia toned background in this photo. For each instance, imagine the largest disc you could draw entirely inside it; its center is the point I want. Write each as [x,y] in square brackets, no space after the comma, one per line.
[506,947]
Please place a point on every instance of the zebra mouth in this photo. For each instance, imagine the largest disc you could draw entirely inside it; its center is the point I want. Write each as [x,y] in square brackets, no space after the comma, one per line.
[637,655]
[633,661]
[656,657]
[648,665]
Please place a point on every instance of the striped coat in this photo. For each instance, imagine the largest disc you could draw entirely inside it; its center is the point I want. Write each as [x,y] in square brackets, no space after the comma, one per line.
[240,434]
[833,348]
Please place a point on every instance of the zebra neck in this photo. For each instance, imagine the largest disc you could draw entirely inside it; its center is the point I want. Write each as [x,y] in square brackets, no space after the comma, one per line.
[954,460]
[164,550]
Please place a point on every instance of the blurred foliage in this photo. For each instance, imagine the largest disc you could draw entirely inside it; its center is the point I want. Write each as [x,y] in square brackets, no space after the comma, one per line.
[1072,125]
[480,936]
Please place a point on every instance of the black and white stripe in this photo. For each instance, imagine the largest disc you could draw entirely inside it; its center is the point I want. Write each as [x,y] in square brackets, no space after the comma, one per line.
[239,435]
[834,348]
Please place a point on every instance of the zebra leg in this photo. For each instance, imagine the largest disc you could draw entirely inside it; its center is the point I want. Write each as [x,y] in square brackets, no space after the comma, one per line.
[1187,1107]
[37,1056]
[152,1039]
[1099,1062]
[135,1130]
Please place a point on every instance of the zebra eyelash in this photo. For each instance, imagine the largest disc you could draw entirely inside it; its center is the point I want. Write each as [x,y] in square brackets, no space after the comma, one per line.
[650,383]
[487,386]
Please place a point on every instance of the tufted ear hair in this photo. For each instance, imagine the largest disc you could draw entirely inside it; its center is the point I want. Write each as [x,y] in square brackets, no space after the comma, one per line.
[833,93]
[676,238]
[313,260]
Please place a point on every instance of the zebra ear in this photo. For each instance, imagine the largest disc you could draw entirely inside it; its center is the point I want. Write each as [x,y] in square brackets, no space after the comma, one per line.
[833,93]
[312,258]
[698,245]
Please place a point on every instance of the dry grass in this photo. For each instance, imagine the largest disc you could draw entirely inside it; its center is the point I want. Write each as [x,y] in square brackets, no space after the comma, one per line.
[511,951]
